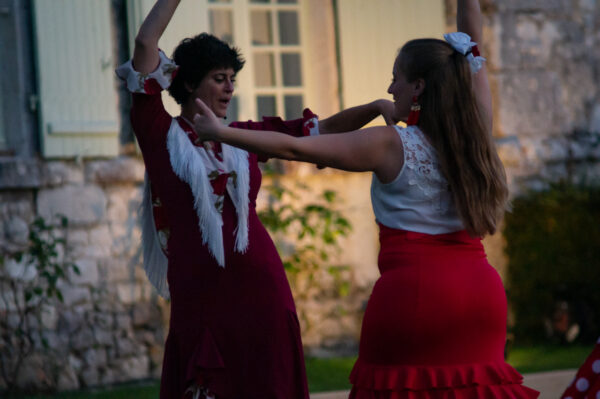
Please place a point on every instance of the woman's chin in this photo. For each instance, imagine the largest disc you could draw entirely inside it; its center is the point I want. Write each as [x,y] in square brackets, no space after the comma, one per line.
[220,113]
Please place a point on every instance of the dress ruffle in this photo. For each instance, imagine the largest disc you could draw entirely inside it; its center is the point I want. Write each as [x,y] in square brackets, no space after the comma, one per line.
[469,381]
[206,368]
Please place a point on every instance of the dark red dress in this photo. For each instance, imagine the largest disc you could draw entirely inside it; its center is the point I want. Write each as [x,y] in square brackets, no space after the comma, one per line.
[233,330]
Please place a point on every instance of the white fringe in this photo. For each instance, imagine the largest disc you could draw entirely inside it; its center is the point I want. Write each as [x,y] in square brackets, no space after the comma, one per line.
[155,261]
[239,196]
[188,164]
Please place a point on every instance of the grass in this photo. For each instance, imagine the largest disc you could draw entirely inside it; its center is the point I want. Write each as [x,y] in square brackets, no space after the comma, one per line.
[332,374]
[546,358]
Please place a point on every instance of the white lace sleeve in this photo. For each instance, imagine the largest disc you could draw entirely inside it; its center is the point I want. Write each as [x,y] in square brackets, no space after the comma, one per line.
[150,83]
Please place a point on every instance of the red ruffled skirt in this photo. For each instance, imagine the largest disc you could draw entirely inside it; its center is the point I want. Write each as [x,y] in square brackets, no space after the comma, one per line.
[435,325]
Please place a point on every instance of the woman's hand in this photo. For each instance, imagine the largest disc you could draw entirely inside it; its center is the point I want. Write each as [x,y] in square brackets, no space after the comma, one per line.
[206,123]
[387,110]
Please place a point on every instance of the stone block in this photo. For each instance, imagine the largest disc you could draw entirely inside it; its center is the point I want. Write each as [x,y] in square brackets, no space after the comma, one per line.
[135,368]
[100,242]
[82,205]
[69,321]
[123,322]
[103,337]
[116,170]
[125,347]
[56,173]
[33,374]
[75,363]
[83,340]
[123,202]
[527,41]
[90,377]
[156,354]
[529,104]
[19,173]
[22,271]
[67,379]
[115,270]
[88,273]
[49,317]
[129,293]
[145,314]
[77,239]
[16,231]
[95,357]
[110,377]
[74,295]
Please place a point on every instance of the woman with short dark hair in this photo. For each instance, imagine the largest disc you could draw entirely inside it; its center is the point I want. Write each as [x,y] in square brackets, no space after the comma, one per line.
[233,330]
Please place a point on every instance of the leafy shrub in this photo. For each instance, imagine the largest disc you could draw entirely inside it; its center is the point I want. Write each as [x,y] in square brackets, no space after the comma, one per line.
[29,281]
[553,246]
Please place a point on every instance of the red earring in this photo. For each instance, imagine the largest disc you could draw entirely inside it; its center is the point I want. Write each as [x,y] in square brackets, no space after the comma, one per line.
[415,110]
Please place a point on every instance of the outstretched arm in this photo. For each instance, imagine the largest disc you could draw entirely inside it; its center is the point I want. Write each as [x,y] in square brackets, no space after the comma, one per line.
[470,21]
[359,150]
[356,117]
[145,53]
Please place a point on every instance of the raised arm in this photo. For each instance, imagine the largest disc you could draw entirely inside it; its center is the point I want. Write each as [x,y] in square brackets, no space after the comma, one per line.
[470,21]
[145,53]
[356,117]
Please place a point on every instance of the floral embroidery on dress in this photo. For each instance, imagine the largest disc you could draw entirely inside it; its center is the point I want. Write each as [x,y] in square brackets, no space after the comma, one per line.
[310,126]
[160,222]
[218,181]
[420,158]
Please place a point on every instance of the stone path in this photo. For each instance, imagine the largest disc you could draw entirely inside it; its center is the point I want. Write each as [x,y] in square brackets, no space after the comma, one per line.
[551,385]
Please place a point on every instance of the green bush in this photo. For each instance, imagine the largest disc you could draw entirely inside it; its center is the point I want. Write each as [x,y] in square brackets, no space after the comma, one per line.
[553,246]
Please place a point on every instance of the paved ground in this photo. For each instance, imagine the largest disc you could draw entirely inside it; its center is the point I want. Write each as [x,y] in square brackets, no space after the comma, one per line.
[551,385]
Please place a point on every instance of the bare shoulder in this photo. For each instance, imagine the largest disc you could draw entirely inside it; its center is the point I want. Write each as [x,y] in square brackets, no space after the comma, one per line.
[392,153]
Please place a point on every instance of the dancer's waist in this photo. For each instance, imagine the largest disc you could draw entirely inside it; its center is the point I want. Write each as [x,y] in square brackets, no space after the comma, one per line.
[404,248]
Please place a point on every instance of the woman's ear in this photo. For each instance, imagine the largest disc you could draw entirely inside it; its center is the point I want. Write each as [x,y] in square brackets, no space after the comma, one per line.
[188,87]
[419,86]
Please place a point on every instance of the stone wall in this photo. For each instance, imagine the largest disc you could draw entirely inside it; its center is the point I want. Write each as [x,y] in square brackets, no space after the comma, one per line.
[110,326]
[544,62]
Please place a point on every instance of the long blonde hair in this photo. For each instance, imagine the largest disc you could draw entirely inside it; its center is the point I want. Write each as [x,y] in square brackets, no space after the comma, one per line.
[452,119]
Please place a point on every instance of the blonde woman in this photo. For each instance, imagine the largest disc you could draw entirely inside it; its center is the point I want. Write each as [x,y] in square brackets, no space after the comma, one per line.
[435,325]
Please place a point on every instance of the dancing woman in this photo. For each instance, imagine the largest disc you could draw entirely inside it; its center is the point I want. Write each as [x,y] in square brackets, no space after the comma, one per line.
[233,331]
[435,324]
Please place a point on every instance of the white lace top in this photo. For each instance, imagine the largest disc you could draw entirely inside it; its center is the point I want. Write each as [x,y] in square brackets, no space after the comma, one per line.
[418,199]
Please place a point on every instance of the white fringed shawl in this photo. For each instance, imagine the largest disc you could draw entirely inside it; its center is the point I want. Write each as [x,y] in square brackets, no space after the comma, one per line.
[190,164]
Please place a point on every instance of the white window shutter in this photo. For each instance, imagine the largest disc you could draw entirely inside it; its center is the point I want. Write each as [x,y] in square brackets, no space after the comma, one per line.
[190,19]
[78,101]
[371,32]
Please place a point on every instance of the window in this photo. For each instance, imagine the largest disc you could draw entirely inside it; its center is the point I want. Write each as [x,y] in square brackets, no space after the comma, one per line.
[276,54]
[221,24]
[268,33]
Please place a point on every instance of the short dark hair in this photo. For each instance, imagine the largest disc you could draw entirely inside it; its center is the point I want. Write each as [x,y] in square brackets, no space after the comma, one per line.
[196,57]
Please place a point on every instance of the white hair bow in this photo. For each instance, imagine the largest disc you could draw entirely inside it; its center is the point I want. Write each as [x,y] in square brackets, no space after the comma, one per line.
[462,43]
